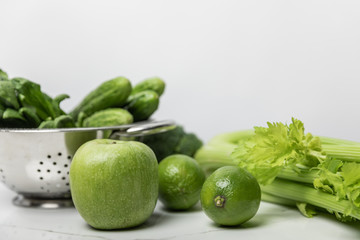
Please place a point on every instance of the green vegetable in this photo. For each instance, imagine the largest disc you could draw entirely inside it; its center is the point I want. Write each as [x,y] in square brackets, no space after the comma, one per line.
[12,118]
[27,106]
[276,146]
[47,124]
[3,75]
[188,144]
[313,173]
[63,121]
[108,117]
[142,104]
[2,109]
[112,93]
[30,95]
[12,114]
[37,109]
[8,95]
[30,115]
[163,144]
[56,103]
[155,84]
[216,153]
[175,141]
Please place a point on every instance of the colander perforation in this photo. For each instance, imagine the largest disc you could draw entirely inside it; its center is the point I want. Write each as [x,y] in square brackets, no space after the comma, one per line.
[52,172]
[2,175]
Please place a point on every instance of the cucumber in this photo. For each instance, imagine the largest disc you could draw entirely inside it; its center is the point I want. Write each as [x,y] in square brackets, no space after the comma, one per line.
[155,83]
[112,93]
[108,117]
[142,104]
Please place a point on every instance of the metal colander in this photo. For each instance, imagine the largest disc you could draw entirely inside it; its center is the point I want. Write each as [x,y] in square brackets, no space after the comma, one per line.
[35,163]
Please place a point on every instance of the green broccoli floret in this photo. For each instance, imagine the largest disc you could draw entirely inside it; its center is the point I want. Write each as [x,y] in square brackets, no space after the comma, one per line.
[163,144]
[188,144]
[175,141]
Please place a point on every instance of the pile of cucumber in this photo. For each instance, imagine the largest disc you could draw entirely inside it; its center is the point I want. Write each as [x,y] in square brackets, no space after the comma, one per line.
[114,102]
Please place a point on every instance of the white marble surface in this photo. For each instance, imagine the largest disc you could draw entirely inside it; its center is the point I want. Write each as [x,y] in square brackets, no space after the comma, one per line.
[271,222]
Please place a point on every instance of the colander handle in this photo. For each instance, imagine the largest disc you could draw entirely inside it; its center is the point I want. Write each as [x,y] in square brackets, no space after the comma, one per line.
[144,128]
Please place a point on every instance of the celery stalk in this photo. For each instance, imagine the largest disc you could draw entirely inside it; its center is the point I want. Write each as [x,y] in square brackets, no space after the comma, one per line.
[302,193]
[337,141]
[341,149]
[216,153]
[267,197]
[349,153]
[303,176]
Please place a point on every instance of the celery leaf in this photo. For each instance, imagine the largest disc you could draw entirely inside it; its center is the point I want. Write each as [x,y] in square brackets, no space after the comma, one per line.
[351,174]
[277,146]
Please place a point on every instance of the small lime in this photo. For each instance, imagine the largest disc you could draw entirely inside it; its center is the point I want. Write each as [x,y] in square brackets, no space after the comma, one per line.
[180,182]
[230,196]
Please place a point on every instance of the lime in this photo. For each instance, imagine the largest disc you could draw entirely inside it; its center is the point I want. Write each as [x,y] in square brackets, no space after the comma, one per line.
[180,182]
[230,196]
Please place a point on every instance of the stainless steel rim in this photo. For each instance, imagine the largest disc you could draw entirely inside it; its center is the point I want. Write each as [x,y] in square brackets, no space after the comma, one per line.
[130,129]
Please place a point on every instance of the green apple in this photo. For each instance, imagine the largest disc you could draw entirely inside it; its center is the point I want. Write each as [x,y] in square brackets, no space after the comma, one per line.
[114,184]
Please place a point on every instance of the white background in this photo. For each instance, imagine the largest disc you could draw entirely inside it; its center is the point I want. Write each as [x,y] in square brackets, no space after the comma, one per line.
[228,65]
